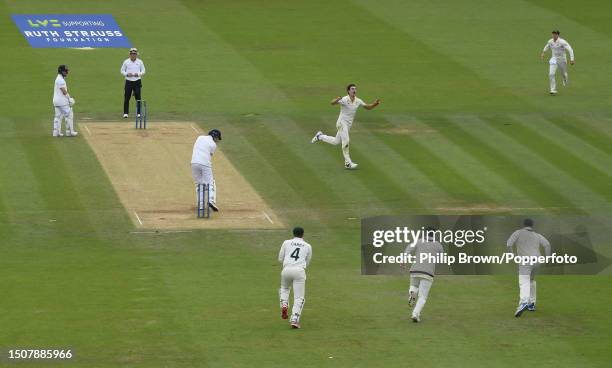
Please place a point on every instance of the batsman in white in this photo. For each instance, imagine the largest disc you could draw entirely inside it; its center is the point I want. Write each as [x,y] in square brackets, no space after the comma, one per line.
[348,108]
[62,103]
[422,272]
[201,165]
[558,60]
[528,243]
[295,255]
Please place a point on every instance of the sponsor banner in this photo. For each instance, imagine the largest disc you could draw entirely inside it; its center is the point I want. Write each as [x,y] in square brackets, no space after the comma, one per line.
[71,30]
[477,244]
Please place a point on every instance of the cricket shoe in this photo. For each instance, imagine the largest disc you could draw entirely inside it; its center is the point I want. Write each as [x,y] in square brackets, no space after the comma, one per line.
[553,93]
[411,298]
[521,308]
[71,134]
[58,134]
[416,319]
[213,207]
[531,307]
[351,165]
[125,116]
[284,312]
[315,139]
[295,325]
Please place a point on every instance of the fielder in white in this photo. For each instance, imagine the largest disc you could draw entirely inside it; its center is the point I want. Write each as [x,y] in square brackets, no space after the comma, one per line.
[558,60]
[201,165]
[528,243]
[295,255]
[422,273]
[348,108]
[62,102]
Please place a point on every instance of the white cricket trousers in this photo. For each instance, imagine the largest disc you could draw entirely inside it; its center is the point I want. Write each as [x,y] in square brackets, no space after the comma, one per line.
[419,286]
[527,283]
[63,112]
[296,277]
[341,137]
[560,65]
[204,175]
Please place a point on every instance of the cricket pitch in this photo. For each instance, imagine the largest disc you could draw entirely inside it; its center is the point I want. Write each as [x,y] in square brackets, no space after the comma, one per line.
[151,173]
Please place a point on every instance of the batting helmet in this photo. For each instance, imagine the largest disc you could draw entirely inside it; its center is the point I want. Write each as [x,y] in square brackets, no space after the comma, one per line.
[215,133]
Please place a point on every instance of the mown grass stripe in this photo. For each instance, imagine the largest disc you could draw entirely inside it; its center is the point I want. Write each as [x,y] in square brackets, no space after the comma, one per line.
[543,125]
[449,179]
[52,182]
[586,133]
[487,181]
[573,190]
[564,160]
[494,158]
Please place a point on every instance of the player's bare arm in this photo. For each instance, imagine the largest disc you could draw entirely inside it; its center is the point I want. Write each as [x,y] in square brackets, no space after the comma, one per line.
[372,105]
[335,100]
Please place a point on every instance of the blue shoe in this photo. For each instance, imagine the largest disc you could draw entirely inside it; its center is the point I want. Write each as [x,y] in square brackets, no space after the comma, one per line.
[521,308]
[531,307]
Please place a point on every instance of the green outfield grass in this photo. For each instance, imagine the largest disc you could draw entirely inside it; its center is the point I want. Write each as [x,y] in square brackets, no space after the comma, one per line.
[466,122]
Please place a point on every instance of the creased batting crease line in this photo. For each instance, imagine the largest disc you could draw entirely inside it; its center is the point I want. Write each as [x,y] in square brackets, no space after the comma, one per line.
[138,217]
[268,217]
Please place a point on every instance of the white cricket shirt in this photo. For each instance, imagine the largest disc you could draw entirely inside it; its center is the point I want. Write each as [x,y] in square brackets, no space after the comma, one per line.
[424,269]
[295,253]
[59,99]
[203,150]
[348,109]
[558,49]
[136,66]
[528,242]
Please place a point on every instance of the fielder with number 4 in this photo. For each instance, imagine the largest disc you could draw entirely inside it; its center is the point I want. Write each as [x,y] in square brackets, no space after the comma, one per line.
[295,255]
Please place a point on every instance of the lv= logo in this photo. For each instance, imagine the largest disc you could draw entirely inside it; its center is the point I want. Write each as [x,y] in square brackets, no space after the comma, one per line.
[37,23]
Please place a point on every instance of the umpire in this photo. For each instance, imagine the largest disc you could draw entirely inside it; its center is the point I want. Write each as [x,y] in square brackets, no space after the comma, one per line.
[132,69]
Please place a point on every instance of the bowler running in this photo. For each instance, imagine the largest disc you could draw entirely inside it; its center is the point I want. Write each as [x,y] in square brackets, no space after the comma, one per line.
[348,108]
